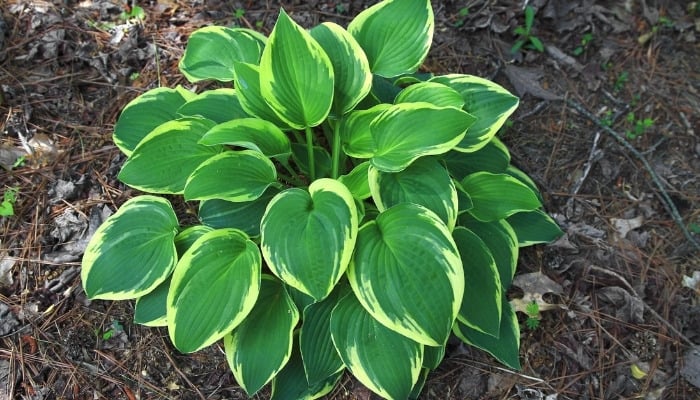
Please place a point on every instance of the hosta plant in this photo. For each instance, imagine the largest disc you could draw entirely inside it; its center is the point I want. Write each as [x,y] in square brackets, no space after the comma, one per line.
[353,212]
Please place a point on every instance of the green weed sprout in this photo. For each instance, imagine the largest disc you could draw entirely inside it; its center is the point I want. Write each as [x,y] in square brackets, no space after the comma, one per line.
[525,36]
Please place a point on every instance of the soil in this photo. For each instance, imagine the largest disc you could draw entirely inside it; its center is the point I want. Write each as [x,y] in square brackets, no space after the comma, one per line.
[607,128]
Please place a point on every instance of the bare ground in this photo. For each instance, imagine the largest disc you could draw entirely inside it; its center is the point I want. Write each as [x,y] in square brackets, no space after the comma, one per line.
[624,312]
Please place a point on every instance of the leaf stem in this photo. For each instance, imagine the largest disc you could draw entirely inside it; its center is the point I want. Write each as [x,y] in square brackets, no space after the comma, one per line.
[310,153]
[335,148]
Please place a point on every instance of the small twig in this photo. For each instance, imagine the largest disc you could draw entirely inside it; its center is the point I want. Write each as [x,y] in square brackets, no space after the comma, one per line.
[666,199]
[179,372]
[647,306]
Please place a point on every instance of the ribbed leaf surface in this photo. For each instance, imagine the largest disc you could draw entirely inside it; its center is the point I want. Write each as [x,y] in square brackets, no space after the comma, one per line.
[132,252]
[407,273]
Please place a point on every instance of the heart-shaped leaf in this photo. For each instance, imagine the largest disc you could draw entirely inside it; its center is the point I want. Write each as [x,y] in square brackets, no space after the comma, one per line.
[250,133]
[307,238]
[151,309]
[145,113]
[383,360]
[291,384]
[406,252]
[214,287]
[498,196]
[425,182]
[500,238]
[407,131]
[167,156]
[233,176]
[494,158]
[245,216]
[431,92]
[353,79]
[533,227]
[395,34]
[247,81]
[212,50]
[268,330]
[489,102]
[321,359]
[505,347]
[357,181]
[355,132]
[132,252]
[481,304]
[296,76]
[218,105]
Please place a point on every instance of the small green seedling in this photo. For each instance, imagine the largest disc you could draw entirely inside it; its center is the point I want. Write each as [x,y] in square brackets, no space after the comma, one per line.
[19,162]
[239,13]
[533,315]
[461,16]
[135,13]
[585,41]
[114,329]
[639,126]
[8,201]
[621,81]
[525,37]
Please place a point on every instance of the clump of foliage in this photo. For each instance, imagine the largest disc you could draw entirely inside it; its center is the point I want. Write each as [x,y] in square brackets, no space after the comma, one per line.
[7,206]
[354,212]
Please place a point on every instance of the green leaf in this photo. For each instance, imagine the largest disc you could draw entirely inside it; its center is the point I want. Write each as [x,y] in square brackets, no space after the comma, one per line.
[250,133]
[433,130]
[145,113]
[214,287]
[247,82]
[321,359]
[218,105]
[353,79]
[232,175]
[167,156]
[245,216]
[501,240]
[268,330]
[489,102]
[307,238]
[355,132]
[212,51]
[431,92]
[432,356]
[291,384]
[425,182]
[481,304]
[498,196]
[322,160]
[395,34]
[524,178]
[151,308]
[357,181]
[132,252]
[494,157]
[383,360]
[505,347]
[406,252]
[186,238]
[534,227]
[296,76]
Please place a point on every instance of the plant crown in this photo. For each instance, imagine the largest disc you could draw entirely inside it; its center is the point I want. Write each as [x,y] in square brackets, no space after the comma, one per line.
[354,213]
